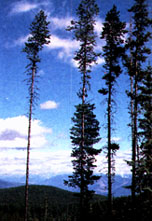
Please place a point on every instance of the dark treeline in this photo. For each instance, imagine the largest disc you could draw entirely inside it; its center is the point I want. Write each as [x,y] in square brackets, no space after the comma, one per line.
[126,49]
[48,203]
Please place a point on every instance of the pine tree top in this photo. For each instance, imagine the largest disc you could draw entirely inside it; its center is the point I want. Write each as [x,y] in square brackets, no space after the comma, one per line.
[38,37]
[113,33]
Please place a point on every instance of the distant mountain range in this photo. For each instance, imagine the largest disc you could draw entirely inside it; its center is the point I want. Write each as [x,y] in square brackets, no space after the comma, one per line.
[6,184]
[99,187]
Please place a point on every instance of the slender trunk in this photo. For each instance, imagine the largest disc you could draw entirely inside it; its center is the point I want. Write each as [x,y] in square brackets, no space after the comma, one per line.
[134,145]
[133,139]
[109,154]
[82,147]
[28,145]
[133,122]
[132,109]
[133,106]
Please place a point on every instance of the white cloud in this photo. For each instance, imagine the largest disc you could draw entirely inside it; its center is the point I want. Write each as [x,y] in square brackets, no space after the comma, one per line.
[100,60]
[60,23]
[23,6]
[65,47]
[13,133]
[120,162]
[66,44]
[98,27]
[41,162]
[121,165]
[116,139]
[63,23]
[46,161]
[20,41]
[49,105]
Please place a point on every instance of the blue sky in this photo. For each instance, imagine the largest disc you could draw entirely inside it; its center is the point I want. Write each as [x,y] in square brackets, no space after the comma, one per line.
[59,82]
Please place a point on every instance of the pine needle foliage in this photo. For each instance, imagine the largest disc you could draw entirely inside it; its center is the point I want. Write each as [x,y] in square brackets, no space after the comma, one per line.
[113,34]
[144,170]
[85,157]
[135,60]
[85,132]
[83,30]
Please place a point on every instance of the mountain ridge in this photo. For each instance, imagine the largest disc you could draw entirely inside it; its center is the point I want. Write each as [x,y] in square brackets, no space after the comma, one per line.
[100,187]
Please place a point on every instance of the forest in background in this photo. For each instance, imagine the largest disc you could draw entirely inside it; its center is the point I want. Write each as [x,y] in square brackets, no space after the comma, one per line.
[48,203]
[125,48]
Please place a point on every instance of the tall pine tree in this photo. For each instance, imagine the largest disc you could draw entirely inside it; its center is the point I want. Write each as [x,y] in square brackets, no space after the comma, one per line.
[134,62]
[39,36]
[85,132]
[145,134]
[113,34]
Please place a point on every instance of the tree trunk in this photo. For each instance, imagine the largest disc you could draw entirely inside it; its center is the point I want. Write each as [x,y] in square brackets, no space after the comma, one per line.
[82,146]
[109,154]
[134,145]
[28,146]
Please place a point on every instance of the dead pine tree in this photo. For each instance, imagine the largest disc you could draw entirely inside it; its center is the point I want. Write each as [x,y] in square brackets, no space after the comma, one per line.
[39,36]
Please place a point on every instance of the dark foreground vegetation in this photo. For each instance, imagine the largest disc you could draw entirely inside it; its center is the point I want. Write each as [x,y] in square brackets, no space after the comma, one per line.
[53,204]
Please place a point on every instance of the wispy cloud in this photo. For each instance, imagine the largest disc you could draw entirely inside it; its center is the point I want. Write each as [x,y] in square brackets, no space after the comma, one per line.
[98,27]
[23,6]
[66,44]
[20,41]
[63,23]
[42,163]
[65,48]
[13,139]
[26,6]
[120,162]
[13,133]
[49,105]
[60,23]
[116,139]
[46,161]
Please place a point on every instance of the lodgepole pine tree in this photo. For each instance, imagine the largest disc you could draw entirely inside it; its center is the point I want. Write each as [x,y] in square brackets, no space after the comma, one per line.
[85,132]
[137,55]
[39,36]
[113,34]
[145,135]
